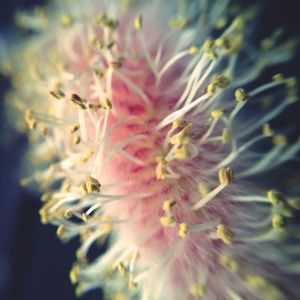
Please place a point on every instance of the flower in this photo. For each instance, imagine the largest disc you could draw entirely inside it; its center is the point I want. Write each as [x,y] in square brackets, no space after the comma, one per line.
[151,135]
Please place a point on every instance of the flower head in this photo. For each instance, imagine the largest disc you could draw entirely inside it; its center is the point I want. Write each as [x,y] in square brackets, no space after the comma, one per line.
[150,136]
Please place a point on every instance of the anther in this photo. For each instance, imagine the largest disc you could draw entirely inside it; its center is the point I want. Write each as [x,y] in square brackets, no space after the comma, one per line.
[78,101]
[226,176]
[138,22]
[66,20]
[225,234]
[226,135]
[85,217]
[278,221]
[182,153]
[94,107]
[106,104]
[183,230]
[167,221]
[168,204]
[280,140]
[217,113]
[221,81]
[194,51]
[274,197]
[74,128]
[74,273]
[121,268]
[267,131]
[115,64]
[68,214]
[58,94]
[197,289]
[241,95]
[93,185]
[60,231]
[161,167]
[76,139]
[83,189]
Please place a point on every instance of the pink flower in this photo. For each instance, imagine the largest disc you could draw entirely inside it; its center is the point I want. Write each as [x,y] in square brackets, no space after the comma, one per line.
[150,138]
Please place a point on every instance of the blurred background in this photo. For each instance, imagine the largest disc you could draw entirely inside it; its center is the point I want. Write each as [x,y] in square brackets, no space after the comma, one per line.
[34,264]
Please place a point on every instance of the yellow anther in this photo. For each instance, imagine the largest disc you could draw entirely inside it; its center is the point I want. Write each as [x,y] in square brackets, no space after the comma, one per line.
[121,268]
[45,217]
[167,205]
[241,95]
[74,273]
[267,131]
[107,223]
[60,231]
[79,291]
[179,23]
[194,50]
[221,23]
[280,140]
[138,22]
[178,124]
[203,188]
[239,22]
[197,289]
[131,284]
[226,176]
[97,43]
[221,42]
[211,88]
[225,234]
[66,20]
[74,128]
[255,281]
[211,54]
[106,104]
[43,129]
[221,81]
[291,82]
[278,221]
[103,20]
[83,189]
[167,221]
[25,182]
[76,139]
[58,94]
[110,45]
[217,113]
[267,44]
[81,257]
[116,64]
[182,137]
[93,185]
[161,167]
[182,153]
[46,197]
[208,44]
[223,260]
[78,101]
[274,196]
[120,296]
[68,214]
[85,217]
[278,77]
[229,263]
[183,230]
[94,107]
[226,135]
[30,120]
